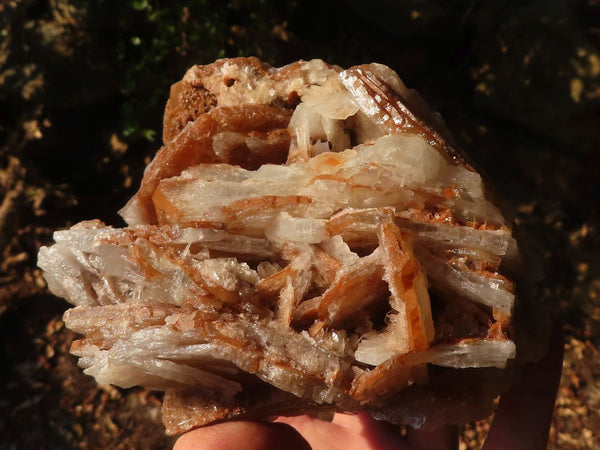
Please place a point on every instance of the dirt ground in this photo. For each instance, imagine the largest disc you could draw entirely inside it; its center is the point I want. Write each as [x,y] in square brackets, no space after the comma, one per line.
[82,86]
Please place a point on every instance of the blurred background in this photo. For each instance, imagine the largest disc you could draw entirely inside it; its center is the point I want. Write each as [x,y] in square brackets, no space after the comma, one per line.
[82,89]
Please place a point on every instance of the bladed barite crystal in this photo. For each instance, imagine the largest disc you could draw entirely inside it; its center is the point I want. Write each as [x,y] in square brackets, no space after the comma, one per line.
[307,239]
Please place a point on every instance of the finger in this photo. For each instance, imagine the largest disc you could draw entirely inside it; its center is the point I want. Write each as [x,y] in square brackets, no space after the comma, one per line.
[349,432]
[242,436]
[443,438]
[524,413]
[345,420]
[319,433]
[376,434]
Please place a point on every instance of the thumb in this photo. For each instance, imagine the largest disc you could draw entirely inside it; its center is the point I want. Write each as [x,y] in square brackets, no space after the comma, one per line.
[242,436]
[524,414]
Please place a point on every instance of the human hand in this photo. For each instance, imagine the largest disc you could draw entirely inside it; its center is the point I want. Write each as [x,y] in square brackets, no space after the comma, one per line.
[522,421]
[346,431]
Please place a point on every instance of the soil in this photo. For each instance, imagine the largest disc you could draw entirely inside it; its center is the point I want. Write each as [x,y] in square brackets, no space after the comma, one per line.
[517,81]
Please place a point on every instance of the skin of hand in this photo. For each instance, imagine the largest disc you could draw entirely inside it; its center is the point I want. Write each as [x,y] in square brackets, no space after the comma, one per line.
[522,421]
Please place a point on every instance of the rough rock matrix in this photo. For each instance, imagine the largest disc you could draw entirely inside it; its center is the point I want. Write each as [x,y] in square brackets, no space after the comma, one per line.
[307,239]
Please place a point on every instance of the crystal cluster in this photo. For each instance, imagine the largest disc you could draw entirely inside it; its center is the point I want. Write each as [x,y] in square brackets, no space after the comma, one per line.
[307,239]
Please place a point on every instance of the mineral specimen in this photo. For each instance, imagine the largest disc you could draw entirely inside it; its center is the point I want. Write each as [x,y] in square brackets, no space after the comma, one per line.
[307,239]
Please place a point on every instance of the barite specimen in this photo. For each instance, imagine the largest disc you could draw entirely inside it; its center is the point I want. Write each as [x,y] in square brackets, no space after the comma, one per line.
[307,239]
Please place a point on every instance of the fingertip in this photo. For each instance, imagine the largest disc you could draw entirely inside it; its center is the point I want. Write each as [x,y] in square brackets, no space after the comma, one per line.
[242,435]
[186,441]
